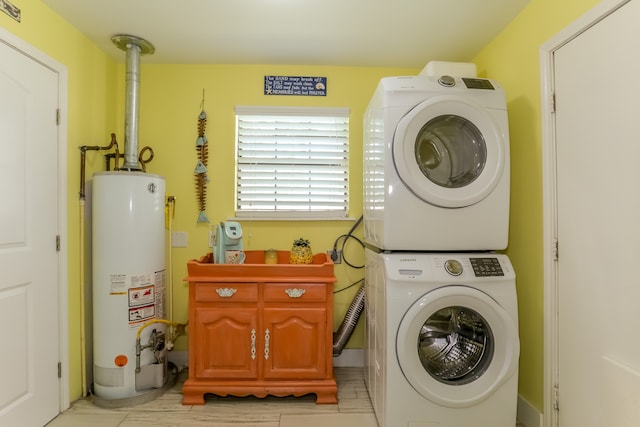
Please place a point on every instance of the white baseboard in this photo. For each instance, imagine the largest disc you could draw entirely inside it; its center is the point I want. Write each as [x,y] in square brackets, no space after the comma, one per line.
[179,358]
[529,414]
[350,357]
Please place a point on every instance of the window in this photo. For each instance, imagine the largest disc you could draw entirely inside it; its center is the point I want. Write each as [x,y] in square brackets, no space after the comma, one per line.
[292,162]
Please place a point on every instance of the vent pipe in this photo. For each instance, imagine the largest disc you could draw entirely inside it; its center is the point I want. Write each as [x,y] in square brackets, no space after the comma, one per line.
[134,47]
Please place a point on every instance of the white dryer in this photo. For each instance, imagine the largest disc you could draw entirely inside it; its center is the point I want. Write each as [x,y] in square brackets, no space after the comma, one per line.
[436,165]
[442,344]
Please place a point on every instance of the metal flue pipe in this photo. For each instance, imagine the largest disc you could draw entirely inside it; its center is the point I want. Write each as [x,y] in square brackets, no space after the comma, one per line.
[134,47]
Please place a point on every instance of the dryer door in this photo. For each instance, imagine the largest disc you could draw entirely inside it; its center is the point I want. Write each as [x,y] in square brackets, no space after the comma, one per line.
[449,151]
[456,346]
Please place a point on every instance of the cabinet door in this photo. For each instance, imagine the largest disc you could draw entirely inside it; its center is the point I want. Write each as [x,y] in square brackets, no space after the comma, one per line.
[226,342]
[295,342]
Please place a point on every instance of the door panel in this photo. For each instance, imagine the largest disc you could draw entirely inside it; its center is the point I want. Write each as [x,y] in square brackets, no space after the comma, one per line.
[228,342]
[296,342]
[29,309]
[598,191]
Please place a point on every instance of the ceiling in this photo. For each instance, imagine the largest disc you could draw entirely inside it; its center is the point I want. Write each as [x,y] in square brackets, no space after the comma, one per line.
[370,33]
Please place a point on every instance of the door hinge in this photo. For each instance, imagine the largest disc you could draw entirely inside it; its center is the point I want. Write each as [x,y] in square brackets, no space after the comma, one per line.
[59,369]
[556,251]
[58,116]
[556,397]
[10,9]
[58,243]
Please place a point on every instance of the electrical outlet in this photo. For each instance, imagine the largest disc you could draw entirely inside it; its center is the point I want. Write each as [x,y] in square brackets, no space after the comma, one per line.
[336,256]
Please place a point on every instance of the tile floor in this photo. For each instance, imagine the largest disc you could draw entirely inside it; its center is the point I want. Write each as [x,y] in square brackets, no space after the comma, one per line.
[353,409]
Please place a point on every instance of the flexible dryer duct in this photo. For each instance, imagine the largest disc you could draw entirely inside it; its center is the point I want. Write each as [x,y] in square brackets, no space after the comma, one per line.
[341,337]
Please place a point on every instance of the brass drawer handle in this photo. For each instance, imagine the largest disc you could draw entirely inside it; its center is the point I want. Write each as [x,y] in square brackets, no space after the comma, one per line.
[295,292]
[266,344]
[226,292]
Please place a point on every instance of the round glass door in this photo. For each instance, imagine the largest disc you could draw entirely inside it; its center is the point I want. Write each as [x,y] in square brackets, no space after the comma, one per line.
[450,152]
[456,346]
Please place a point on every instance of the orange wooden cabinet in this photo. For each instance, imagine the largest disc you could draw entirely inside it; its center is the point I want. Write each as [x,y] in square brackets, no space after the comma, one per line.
[258,329]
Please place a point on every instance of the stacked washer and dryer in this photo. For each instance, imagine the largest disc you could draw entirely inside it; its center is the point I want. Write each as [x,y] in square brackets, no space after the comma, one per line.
[442,342]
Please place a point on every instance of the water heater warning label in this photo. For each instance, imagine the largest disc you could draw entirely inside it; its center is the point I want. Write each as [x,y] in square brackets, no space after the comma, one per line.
[144,293]
[141,296]
[140,314]
[118,284]
[142,304]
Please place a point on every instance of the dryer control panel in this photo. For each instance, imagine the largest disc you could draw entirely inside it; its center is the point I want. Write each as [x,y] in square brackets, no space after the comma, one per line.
[477,83]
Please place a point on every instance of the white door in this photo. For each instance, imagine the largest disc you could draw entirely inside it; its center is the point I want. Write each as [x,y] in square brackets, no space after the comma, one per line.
[29,261]
[597,87]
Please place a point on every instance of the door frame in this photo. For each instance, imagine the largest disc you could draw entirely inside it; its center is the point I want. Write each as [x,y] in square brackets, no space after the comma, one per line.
[549,198]
[62,282]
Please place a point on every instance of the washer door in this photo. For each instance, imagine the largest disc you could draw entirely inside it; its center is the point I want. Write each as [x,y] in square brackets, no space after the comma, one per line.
[456,346]
[449,151]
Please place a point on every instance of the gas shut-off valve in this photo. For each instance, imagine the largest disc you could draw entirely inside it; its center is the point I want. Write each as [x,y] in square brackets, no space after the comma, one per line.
[156,343]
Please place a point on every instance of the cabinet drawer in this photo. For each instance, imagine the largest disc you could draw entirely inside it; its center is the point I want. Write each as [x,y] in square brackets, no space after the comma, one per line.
[295,292]
[226,292]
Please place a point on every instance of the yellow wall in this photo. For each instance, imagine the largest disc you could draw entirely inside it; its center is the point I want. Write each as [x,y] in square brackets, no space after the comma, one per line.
[90,117]
[170,99]
[169,105]
[170,102]
[512,58]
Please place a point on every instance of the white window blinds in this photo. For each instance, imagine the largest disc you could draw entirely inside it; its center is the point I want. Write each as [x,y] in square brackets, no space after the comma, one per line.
[292,162]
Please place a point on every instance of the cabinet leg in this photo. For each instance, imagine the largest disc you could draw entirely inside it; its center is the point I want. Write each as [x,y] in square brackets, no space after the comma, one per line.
[192,398]
[326,398]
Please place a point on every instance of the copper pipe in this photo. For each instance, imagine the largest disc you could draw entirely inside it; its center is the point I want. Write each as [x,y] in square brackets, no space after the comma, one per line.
[83,159]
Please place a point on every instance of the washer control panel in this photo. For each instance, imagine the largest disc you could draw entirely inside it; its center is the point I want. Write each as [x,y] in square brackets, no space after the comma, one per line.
[447,267]
[482,267]
[486,267]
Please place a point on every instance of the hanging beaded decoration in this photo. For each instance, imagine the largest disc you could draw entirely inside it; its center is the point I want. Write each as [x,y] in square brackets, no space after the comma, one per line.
[200,171]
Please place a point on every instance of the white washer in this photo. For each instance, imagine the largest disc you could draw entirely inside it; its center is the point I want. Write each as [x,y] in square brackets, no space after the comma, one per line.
[436,165]
[442,342]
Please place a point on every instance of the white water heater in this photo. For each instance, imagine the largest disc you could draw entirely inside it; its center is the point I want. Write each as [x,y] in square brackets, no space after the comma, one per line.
[128,282]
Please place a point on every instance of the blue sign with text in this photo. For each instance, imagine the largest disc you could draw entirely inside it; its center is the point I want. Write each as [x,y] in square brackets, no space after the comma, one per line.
[295,85]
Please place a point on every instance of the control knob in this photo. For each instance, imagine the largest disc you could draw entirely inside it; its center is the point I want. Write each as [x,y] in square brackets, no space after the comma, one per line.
[453,267]
[447,81]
